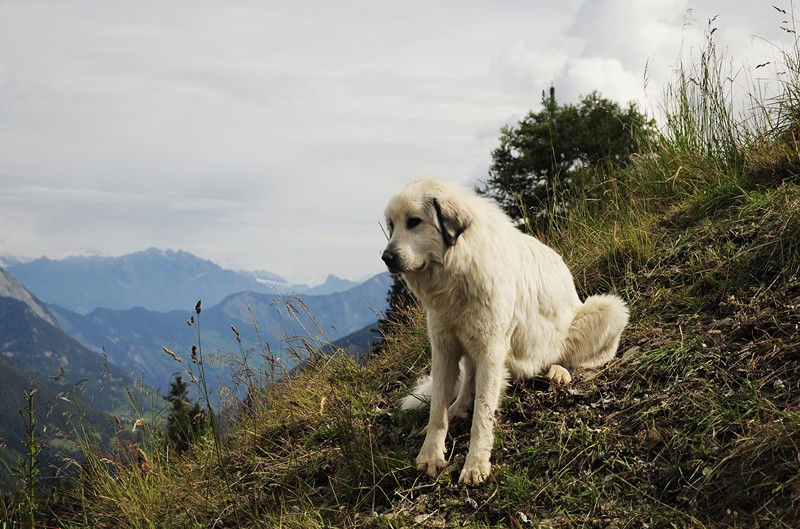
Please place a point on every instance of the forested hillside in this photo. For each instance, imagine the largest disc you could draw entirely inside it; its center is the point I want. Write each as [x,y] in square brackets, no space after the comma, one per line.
[58,380]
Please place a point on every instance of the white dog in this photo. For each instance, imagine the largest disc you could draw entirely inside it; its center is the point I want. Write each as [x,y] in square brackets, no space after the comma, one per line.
[498,302]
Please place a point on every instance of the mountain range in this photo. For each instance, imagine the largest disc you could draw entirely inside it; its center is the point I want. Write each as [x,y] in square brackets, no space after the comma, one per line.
[160,280]
[128,308]
[81,330]
[269,325]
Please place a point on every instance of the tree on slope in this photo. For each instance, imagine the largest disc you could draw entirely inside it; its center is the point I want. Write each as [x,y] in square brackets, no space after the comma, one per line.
[544,159]
[186,422]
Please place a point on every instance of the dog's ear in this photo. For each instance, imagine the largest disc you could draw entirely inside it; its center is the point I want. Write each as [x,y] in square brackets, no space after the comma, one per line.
[453,221]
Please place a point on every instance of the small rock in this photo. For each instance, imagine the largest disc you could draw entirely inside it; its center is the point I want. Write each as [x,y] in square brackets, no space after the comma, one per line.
[421,518]
[650,438]
[724,323]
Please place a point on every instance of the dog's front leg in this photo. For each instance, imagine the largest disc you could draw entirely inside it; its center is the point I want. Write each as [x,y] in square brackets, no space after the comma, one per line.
[488,387]
[444,373]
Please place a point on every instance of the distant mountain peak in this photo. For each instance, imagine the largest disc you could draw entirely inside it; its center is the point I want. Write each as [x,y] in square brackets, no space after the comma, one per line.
[168,253]
[332,284]
[158,252]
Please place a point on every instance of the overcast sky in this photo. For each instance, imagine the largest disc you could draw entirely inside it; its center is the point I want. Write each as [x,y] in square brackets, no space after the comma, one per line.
[269,135]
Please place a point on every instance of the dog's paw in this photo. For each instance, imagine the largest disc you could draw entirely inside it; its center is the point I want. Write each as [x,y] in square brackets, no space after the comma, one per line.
[475,471]
[558,375]
[431,463]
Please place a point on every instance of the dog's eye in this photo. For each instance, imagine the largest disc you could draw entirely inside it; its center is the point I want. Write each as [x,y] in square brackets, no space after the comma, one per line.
[390,224]
[412,223]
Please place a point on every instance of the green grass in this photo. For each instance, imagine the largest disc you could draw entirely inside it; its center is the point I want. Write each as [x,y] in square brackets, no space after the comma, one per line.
[695,424]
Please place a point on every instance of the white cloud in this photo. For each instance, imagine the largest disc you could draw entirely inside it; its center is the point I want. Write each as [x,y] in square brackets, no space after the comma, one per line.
[630,32]
[525,70]
[606,75]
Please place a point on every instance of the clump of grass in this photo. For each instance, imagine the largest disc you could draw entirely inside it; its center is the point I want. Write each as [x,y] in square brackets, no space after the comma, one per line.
[27,471]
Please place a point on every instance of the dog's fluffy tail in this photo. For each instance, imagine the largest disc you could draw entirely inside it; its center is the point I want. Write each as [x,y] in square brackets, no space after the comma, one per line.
[420,396]
[595,331]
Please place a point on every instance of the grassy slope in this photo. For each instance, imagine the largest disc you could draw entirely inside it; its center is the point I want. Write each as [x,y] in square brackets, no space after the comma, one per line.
[697,424]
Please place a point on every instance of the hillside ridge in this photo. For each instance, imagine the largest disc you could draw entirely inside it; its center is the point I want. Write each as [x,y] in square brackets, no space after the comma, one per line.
[10,288]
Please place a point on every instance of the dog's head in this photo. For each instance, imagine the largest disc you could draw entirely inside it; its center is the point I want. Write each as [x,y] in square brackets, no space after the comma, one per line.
[425,221]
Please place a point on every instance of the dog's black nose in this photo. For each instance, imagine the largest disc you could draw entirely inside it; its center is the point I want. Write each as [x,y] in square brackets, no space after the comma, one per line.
[392,261]
[388,258]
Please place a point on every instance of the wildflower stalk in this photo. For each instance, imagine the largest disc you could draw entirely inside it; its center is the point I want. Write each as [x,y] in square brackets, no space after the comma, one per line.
[197,354]
[29,467]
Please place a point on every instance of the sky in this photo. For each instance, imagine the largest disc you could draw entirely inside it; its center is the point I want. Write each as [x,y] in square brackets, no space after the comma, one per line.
[267,135]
